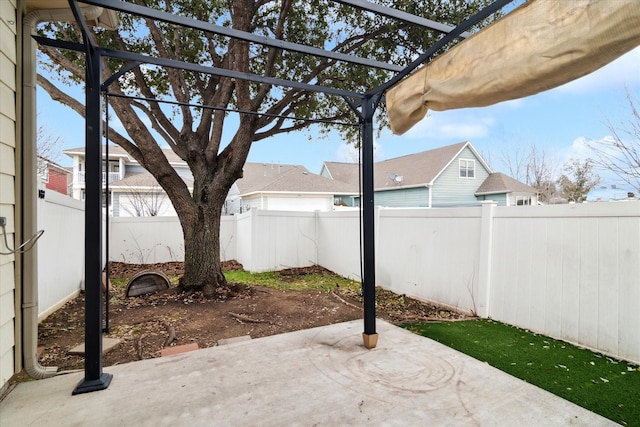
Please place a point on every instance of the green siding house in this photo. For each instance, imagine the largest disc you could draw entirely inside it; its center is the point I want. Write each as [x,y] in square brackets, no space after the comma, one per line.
[451,176]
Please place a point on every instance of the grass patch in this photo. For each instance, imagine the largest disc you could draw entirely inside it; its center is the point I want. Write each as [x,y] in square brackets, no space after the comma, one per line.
[273,279]
[598,383]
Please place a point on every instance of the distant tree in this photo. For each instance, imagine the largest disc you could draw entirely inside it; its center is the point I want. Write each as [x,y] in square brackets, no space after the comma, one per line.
[48,148]
[513,161]
[144,201]
[578,180]
[620,152]
[143,198]
[533,166]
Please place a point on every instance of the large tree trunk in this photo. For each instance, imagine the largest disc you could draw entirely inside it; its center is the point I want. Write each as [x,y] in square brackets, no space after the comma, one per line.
[202,269]
[201,219]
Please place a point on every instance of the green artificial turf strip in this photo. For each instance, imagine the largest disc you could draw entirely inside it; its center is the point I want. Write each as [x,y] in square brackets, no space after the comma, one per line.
[601,384]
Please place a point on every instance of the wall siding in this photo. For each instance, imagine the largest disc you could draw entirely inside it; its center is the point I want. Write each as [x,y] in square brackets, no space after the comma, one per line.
[402,198]
[500,199]
[450,190]
[8,54]
[58,181]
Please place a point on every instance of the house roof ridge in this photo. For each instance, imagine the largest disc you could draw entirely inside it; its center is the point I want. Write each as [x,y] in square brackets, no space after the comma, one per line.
[443,148]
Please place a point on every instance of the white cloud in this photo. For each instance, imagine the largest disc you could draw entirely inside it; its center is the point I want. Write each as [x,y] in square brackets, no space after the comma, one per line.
[623,71]
[453,125]
[579,149]
[348,153]
[611,186]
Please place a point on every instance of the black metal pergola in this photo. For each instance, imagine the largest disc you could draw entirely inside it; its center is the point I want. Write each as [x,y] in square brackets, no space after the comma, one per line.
[364,106]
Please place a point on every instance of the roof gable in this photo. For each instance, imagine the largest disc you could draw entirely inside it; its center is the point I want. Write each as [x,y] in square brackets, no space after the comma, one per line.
[462,147]
[498,183]
[344,172]
[406,171]
[264,177]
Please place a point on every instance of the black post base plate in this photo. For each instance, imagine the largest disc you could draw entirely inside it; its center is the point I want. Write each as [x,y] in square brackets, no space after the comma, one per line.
[87,386]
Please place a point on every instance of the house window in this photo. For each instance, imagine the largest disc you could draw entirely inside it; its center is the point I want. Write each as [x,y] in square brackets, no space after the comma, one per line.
[523,200]
[467,168]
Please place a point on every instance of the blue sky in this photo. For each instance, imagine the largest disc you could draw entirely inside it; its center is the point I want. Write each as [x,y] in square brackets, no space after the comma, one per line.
[558,121]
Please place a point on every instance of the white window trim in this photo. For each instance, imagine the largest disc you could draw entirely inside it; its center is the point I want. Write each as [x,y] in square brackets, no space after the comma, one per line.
[524,199]
[473,163]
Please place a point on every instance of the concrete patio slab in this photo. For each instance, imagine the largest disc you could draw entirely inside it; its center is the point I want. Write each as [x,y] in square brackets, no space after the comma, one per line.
[315,377]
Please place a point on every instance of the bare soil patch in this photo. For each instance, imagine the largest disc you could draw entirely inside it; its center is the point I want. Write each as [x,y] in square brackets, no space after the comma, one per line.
[147,324]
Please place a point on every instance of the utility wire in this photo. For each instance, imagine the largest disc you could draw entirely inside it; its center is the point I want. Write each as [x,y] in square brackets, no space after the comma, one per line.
[23,247]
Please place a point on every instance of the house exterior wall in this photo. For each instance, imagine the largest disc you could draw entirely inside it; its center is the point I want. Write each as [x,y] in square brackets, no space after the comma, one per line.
[449,189]
[129,203]
[58,181]
[512,199]
[303,202]
[122,200]
[402,197]
[500,199]
[349,201]
[8,138]
[233,202]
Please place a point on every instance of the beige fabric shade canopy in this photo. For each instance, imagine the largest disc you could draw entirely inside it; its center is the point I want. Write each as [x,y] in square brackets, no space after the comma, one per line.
[540,45]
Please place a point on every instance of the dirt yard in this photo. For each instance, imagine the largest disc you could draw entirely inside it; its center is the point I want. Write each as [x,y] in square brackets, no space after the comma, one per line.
[147,324]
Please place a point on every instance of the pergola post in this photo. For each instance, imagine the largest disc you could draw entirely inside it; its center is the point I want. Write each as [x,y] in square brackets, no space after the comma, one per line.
[94,378]
[369,336]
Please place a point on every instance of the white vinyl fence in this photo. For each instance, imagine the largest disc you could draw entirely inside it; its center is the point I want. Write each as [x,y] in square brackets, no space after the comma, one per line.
[60,251]
[568,271]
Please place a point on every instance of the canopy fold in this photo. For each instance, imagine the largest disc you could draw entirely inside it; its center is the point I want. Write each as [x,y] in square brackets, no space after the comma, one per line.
[538,46]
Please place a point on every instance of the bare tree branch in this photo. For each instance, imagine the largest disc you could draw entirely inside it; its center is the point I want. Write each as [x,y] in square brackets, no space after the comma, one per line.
[620,153]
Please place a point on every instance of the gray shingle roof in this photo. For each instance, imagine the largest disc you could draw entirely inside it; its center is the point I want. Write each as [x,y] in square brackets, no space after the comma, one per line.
[141,180]
[500,183]
[266,177]
[415,169]
[344,172]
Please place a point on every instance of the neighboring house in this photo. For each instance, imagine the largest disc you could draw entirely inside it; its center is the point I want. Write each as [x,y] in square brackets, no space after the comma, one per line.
[449,176]
[139,194]
[506,191]
[132,190]
[283,187]
[53,176]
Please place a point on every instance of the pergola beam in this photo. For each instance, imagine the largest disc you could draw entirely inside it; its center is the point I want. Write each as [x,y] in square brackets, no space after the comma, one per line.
[402,16]
[239,35]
